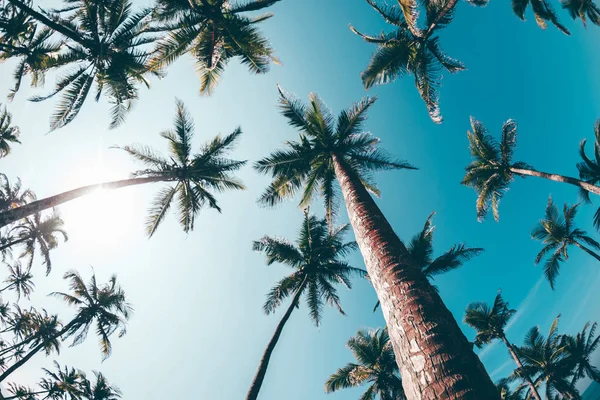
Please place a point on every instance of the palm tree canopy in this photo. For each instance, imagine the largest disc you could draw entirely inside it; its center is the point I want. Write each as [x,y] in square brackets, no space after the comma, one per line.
[589,169]
[317,261]
[489,173]
[20,280]
[583,9]
[195,175]
[580,348]
[376,366]
[557,233]
[8,132]
[308,163]
[489,322]
[542,11]
[214,32]
[506,393]
[12,196]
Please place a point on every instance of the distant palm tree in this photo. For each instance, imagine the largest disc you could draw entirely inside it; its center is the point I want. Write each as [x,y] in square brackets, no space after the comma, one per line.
[542,11]
[213,31]
[589,169]
[557,234]
[583,9]
[328,151]
[493,169]
[490,324]
[106,305]
[546,359]
[100,389]
[19,280]
[62,383]
[194,176]
[8,132]
[376,366]
[102,46]
[506,393]
[317,260]
[581,348]
[13,196]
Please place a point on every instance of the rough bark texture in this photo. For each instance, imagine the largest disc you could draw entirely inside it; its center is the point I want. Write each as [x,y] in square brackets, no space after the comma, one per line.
[435,358]
[15,214]
[590,252]
[515,357]
[264,361]
[558,178]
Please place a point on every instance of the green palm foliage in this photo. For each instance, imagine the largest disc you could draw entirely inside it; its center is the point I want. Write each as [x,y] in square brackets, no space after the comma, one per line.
[308,163]
[557,233]
[581,348]
[507,393]
[103,45]
[19,280]
[195,175]
[542,11]
[546,359]
[100,389]
[408,50]
[13,195]
[583,9]
[589,169]
[8,133]
[214,32]
[488,322]
[376,366]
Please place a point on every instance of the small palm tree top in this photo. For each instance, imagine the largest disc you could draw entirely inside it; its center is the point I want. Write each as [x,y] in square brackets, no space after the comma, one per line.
[542,11]
[317,261]
[489,322]
[581,348]
[583,9]
[14,195]
[309,162]
[9,133]
[20,279]
[196,175]
[589,169]
[43,233]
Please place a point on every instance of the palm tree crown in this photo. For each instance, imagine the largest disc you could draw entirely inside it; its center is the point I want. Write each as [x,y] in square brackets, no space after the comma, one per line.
[375,366]
[12,196]
[583,9]
[19,280]
[309,162]
[542,11]
[581,348]
[214,32]
[589,169]
[8,133]
[557,234]
[489,322]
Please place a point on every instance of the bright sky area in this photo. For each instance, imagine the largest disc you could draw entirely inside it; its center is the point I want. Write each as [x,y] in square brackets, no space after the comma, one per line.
[198,325]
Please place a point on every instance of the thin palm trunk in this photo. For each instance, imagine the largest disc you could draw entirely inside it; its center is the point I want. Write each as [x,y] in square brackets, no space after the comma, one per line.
[590,252]
[558,178]
[10,244]
[15,214]
[264,361]
[515,357]
[435,358]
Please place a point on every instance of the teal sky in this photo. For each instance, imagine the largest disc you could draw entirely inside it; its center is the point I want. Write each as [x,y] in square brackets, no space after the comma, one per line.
[198,328]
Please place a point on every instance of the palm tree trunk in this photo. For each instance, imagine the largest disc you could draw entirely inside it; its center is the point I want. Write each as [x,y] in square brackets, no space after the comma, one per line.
[558,178]
[10,244]
[15,214]
[515,357]
[435,358]
[590,252]
[264,361]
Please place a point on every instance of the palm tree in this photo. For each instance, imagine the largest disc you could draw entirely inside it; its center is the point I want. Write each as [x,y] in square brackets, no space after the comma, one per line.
[580,348]
[548,361]
[214,32]
[589,170]
[317,260]
[542,11]
[100,389]
[557,234]
[493,169]
[194,176]
[102,46]
[506,393]
[11,196]
[8,133]
[583,9]
[329,151]
[375,366]
[20,280]
[408,50]
[490,324]
[106,305]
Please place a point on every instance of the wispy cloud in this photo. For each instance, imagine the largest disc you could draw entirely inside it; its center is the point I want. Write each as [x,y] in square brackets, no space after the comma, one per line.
[501,368]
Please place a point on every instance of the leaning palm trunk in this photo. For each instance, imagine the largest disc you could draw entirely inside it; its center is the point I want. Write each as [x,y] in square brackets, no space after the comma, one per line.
[435,358]
[12,243]
[558,178]
[264,361]
[515,357]
[590,252]
[15,214]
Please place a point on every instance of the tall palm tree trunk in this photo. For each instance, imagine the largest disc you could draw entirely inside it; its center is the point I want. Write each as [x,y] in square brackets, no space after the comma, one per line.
[10,244]
[15,214]
[264,361]
[558,178]
[515,357]
[436,360]
[590,252]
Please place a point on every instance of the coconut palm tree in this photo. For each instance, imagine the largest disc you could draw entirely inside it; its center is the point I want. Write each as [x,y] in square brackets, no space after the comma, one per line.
[546,359]
[375,366]
[103,45]
[490,324]
[13,196]
[19,280]
[328,151]
[193,177]
[100,389]
[214,32]
[493,169]
[580,348]
[589,169]
[542,11]
[557,234]
[583,9]
[408,50]
[317,260]
[105,305]
[506,393]
[8,132]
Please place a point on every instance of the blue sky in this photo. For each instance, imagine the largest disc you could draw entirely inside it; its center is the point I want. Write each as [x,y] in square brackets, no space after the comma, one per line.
[199,326]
